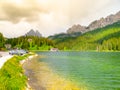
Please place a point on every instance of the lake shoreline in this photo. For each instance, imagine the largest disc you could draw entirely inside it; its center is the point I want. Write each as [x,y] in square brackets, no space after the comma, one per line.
[42,77]
[73,51]
[28,87]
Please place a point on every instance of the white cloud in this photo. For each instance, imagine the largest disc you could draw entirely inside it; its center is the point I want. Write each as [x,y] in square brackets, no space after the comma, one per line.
[51,16]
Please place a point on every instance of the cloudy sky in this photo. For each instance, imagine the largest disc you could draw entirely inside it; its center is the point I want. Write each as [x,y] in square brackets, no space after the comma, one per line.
[51,16]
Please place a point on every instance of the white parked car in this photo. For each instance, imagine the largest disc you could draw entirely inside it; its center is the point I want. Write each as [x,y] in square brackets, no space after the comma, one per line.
[17,52]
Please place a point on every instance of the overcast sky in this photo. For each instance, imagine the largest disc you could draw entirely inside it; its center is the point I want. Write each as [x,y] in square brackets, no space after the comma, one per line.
[51,16]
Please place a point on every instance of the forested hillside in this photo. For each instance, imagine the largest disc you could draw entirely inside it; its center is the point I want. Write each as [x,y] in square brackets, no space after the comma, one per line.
[26,42]
[62,37]
[106,38]
[30,42]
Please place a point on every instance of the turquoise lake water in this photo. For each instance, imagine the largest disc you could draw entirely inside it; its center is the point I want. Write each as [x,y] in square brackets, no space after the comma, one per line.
[95,70]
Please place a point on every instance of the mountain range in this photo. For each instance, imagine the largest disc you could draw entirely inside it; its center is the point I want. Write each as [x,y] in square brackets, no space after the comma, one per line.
[103,34]
[95,24]
[78,30]
[105,38]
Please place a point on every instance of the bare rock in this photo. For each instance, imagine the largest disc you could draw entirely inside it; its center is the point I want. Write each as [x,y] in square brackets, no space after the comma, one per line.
[95,24]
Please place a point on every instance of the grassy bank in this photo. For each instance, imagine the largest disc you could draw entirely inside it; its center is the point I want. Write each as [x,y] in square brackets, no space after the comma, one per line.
[12,75]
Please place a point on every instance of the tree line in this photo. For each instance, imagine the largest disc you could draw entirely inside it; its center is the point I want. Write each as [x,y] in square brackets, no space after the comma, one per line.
[26,42]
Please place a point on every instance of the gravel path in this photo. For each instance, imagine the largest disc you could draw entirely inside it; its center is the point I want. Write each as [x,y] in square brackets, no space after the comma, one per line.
[4,56]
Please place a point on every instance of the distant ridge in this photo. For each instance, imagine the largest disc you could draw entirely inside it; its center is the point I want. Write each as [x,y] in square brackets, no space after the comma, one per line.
[33,33]
[95,24]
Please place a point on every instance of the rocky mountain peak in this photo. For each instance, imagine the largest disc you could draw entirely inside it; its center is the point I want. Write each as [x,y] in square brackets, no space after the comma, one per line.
[76,28]
[33,33]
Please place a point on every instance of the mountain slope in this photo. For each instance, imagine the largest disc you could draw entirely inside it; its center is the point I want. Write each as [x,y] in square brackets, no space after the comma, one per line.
[94,39]
[64,37]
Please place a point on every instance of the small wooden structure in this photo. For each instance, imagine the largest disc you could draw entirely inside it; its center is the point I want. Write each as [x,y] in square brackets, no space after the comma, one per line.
[54,49]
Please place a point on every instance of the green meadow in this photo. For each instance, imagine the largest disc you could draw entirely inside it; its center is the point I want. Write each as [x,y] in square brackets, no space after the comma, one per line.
[12,74]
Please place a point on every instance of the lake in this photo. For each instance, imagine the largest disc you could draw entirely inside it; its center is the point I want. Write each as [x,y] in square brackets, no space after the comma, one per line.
[94,70]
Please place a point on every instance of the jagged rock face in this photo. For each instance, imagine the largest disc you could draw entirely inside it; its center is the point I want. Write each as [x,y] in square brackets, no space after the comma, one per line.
[76,28]
[95,24]
[33,33]
[38,34]
[104,21]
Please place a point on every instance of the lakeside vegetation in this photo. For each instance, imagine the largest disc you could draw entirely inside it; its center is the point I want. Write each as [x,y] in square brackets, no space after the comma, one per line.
[12,75]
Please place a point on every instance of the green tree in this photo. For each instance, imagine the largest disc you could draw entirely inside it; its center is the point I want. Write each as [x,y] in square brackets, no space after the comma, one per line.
[2,41]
